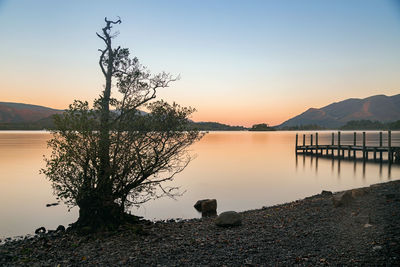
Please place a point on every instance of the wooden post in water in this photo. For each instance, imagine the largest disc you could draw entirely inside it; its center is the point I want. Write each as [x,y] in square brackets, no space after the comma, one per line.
[297,138]
[390,155]
[333,143]
[380,145]
[316,144]
[338,144]
[363,146]
[304,142]
[354,144]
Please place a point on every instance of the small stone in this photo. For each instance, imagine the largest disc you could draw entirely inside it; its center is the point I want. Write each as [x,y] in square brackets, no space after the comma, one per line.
[359,192]
[342,199]
[390,196]
[228,218]
[248,262]
[376,248]
[40,230]
[51,204]
[367,225]
[362,219]
[326,193]
[60,228]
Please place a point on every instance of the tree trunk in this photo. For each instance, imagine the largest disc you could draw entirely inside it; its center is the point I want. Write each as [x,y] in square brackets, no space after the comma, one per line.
[97,209]
[104,143]
[97,213]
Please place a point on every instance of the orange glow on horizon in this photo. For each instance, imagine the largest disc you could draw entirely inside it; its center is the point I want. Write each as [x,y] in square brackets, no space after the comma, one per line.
[241,110]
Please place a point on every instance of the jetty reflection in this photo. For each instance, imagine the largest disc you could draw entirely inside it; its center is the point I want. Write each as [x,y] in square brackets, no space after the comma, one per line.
[336,165]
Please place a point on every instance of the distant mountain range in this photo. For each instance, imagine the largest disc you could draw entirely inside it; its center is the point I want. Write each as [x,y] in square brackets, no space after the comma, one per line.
[380,108]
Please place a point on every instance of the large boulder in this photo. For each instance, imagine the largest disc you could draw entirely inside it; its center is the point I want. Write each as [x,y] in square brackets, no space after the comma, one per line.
[207,207]
[228,218]
[197,205]
[342,198]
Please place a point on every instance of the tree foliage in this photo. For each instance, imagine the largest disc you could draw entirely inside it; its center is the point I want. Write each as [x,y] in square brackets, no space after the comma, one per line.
[112,156]
[371,125]
[261,127]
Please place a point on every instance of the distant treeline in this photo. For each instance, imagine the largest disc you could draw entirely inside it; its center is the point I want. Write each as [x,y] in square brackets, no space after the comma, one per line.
[43,124]
[371,125]
[215,126]
[351,125]
[21,126]
[302,127]
[48,124]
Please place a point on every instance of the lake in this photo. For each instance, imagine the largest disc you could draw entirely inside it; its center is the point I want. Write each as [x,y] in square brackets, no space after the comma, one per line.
[242,170]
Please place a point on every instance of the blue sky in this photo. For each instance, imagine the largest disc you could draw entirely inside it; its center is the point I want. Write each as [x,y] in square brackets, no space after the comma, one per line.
[241,62]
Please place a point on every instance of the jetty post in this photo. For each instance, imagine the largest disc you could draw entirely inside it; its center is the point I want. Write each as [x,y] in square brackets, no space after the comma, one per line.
[338,145]
[375,150]
[316,144]
[304,142]
[363,146]
[354,144]
[380,145]
[390,155]
[333,143]
[348,152]
[297,138]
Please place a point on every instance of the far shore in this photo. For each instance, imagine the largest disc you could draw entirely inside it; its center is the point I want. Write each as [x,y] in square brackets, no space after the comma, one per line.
[312,231]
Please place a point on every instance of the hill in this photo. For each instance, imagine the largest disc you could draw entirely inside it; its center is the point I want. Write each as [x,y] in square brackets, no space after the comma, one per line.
[18,116]
[24,113]
[380,108]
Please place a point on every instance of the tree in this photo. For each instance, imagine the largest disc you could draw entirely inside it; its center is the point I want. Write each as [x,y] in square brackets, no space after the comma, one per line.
[113,156]
[261,127]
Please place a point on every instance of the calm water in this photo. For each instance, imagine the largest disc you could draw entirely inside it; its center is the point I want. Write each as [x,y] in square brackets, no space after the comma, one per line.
[242,170]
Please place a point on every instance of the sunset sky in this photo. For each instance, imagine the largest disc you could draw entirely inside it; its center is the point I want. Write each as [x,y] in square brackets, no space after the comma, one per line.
[241,62]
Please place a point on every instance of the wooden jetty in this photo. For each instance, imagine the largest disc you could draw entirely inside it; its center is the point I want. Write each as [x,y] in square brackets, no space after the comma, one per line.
[339,150]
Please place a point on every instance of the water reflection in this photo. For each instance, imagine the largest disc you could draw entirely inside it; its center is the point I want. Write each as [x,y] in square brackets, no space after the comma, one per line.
[364,168]
[242,170]
[313,164]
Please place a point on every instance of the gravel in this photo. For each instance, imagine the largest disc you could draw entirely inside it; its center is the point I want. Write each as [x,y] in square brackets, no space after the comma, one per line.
[304,232]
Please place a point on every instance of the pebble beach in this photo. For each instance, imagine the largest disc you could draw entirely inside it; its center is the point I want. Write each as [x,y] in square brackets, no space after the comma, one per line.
[365,230]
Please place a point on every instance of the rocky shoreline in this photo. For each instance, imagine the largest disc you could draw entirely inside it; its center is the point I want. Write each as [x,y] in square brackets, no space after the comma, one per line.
[363,229]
